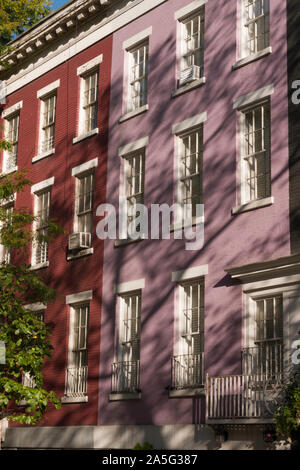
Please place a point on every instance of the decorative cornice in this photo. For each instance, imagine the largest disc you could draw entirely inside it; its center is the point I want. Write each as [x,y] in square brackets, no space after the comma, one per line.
[286,266]
[56,25]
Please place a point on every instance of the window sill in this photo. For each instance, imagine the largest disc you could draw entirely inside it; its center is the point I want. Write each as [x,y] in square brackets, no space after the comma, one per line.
[188,87]
[252,58]
[125,396]
[83,399]
[39,266]
[8,172]
[187,393]
[180,226]
[42,155]
[134,113]
[85,136]
[80,254]
[127,241]
[252,205]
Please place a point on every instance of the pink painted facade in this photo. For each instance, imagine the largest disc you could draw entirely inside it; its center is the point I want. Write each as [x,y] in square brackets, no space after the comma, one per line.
[230,240]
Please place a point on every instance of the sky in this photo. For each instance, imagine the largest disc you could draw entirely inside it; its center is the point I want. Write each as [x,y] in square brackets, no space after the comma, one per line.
[58,3]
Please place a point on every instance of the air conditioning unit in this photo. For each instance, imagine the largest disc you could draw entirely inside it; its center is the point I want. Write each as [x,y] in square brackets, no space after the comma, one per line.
[79,241]
[189,74]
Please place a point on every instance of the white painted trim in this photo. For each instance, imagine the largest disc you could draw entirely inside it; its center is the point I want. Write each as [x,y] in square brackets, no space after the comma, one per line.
[12,109]
[125,396]
[251,58]
[134,113]
[190,8]
[35,267]
[83,399]
[189,123]
[89,65]
[42,185]
[129,286]
[77,170]
[190,86]
[48,89]
[77,45]
[190,273]
[253,96]
[139,37]
[251,205]
[36,307]
[85,136]
[133,146]
[79,297]
[8,172]
[43,155]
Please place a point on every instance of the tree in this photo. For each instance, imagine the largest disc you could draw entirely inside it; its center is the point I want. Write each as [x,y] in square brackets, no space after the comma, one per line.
[26,336]
[18,15]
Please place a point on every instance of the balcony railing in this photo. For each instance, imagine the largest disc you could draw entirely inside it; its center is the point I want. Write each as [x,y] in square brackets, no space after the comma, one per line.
[265,358]
[187,371]
[28,381]
[251,395]
[76,381]
[234,398]
[125,377]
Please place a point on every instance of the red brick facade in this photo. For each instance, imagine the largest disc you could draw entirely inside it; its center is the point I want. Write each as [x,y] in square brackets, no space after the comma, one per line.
[78,275]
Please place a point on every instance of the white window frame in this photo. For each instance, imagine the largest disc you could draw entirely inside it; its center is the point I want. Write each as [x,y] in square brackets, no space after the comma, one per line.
[242,104]
[130,106]
[183,33]
[126,152]
[4,252]
[182,278]
[84,72]
[75,301]
[36,191]
[245,51]
[180,130]
[89,172]
[46,93]
[10,115]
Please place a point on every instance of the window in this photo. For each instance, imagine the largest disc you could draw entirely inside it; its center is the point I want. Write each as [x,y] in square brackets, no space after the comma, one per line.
[7,212]
[12,136]
[256,160]
[89,102]
[42,212]
[188,365]
[84,204]
[255,19]
[126,371]
[190,171]
[76,374]
[134,167]
[48,111]
[266,354]
[138,76]
[192,53]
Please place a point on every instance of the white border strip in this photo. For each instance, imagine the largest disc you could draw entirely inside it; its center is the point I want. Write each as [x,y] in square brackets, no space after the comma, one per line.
[89,65]
[189,123]
[138,144]
[38,306]
[84,167]
[139,37]
[48,89]
[129,286]
[13,109]
[80,297]
[179,14]
[42,185]
[256,95]
[190,273]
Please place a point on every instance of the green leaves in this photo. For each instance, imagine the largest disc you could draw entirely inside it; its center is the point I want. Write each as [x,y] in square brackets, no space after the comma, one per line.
[24,333]
[18,15]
